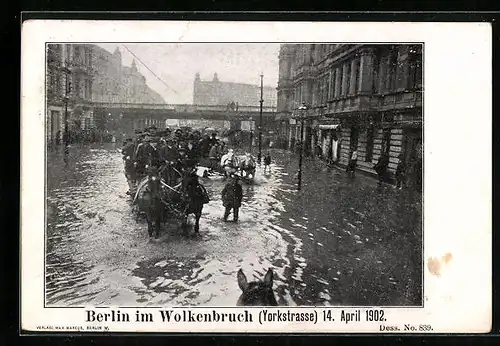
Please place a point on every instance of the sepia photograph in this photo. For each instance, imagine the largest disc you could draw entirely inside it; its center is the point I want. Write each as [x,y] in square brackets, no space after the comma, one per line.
[234,174]
[255,177]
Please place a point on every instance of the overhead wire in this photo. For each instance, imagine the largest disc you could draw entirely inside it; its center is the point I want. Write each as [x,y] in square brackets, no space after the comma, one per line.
[146,66]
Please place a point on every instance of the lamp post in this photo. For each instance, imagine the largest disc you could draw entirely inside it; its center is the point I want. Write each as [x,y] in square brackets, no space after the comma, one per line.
[302,109]
[250,120]
[67,94]
[260,117]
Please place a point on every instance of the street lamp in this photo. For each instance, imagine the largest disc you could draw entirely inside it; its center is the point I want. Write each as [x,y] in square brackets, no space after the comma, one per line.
[67,94]
[66,130]
[302,111]
[250,120]
[260,117]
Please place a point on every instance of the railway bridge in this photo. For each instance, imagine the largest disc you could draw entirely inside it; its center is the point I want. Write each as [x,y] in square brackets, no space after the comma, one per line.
[128,117]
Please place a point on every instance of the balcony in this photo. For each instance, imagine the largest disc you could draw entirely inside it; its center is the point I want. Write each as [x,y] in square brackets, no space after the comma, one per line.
[378,102]
[349,104]
[399,100]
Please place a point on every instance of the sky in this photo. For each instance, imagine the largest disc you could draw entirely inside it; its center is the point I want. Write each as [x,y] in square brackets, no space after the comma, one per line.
[177,64]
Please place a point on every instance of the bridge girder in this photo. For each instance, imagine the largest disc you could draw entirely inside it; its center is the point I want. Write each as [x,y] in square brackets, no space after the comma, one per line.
[202,115]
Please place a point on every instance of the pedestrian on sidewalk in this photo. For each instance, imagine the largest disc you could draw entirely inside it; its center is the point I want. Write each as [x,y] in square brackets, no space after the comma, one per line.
[213,157]
[318,151]
[351,166]
[400,173]
[267,163]
[381,167]
[232,194]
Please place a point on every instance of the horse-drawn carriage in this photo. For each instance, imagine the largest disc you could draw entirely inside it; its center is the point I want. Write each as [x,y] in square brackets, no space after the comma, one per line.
[229,164]
[162,172]
[166,194]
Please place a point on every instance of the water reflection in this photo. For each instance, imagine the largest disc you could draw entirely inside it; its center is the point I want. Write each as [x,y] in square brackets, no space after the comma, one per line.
[336,242]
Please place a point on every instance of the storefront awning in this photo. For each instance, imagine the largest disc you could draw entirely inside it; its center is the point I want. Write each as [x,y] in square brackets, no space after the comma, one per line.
[328,127]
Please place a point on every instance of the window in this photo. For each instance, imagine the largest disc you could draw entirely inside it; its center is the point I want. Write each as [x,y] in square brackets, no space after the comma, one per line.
[77,55]
[376,67]
[68,53]
[356,79]
[57,85]
[331,90]
[348,80]
[51,54]
[391,73]
[320,90]
[77,86]
[338,86]
[369,144]
[415,62]
[326,83]
[54,121]
[51,81]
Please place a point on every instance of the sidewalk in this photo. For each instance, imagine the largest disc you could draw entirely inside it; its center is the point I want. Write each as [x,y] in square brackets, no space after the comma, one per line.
[390,182]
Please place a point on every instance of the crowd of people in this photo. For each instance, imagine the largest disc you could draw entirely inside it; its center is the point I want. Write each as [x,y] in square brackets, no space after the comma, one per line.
[183,149]
[82,136]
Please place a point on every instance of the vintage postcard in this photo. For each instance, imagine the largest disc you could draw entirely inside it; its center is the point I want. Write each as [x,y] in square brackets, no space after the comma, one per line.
[256,177]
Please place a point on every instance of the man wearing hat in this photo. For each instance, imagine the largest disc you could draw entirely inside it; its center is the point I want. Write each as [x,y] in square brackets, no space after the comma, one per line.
[228,162]
[128,153]
[145,154]
[232,194]
[213,139]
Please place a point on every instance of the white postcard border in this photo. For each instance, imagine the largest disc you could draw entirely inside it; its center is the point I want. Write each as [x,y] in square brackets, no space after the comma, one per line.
[457,156]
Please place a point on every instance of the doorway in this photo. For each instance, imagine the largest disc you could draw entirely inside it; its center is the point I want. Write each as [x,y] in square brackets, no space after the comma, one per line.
[55,126]
[354,139]
[413,156]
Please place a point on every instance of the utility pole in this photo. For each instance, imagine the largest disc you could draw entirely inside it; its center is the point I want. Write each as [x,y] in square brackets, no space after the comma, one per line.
[302,109]
[251,134]
[260,116]
[66,100]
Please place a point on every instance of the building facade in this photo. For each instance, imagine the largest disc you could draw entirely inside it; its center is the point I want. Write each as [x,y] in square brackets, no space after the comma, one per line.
[366,98]
[217,93]
[116,83]
[69,77]
[79,75]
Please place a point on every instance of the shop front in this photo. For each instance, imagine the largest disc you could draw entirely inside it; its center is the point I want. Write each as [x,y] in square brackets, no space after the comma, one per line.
[329,142]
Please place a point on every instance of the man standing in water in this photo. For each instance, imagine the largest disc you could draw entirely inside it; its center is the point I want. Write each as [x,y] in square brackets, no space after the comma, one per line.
[232,194]
[267,163]
[351,166]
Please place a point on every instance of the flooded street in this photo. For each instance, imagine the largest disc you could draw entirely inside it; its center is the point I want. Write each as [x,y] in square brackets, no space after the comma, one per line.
[339,241]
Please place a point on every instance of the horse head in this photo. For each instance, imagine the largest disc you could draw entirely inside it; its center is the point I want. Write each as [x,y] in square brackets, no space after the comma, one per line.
[256,293]
[189,183]
[154,179]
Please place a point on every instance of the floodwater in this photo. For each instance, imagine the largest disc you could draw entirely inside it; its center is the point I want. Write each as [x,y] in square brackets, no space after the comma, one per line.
[339,241]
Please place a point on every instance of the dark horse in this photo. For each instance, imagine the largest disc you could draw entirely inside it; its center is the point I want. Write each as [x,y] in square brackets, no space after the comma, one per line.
[149,200]
[256,293]
[160,201]
[194,197]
